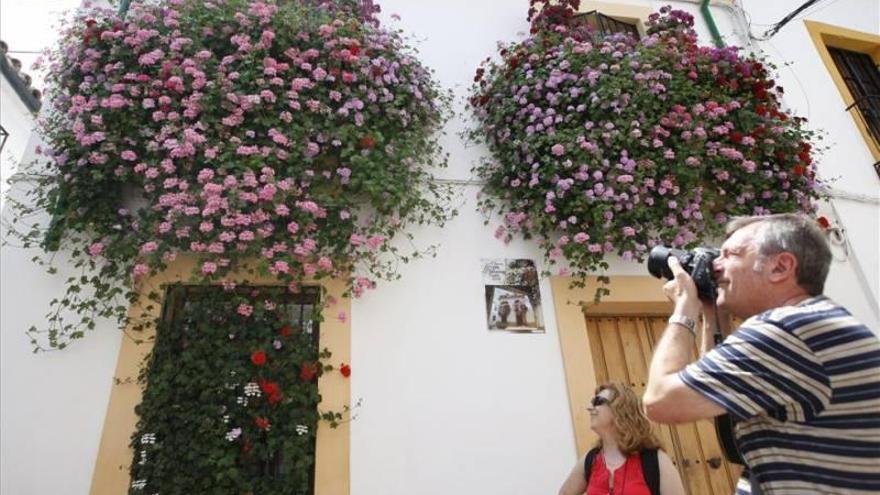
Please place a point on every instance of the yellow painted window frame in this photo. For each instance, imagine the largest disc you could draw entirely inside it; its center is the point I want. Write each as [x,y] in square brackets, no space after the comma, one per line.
[629,295]
[826,36]
[332,450]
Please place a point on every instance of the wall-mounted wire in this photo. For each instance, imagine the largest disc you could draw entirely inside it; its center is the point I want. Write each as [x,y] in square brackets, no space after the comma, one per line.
[775,27]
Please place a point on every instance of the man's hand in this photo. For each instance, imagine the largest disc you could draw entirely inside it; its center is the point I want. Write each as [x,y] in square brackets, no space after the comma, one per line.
[667,398]
[682,291]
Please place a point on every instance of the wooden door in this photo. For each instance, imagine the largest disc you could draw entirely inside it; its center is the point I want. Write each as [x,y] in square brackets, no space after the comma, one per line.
[621,347]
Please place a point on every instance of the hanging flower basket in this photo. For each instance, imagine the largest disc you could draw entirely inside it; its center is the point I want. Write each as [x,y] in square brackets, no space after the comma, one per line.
[603,145]
[295,133]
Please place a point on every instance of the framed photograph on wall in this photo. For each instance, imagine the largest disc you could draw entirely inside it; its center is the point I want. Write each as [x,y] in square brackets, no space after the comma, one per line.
[513,299]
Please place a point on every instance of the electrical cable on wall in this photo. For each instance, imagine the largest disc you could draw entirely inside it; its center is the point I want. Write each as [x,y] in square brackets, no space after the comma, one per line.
[785,20]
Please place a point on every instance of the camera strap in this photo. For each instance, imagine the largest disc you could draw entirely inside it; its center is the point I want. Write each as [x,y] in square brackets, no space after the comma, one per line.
[724,424]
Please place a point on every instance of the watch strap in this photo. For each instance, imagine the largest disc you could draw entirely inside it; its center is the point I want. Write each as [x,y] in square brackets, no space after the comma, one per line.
[684,321]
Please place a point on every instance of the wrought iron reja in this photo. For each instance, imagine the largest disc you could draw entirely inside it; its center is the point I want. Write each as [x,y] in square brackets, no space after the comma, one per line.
[862,78]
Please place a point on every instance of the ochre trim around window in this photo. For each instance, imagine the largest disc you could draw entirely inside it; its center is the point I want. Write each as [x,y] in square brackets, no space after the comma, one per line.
[629,295]
[826,36]
[332,449]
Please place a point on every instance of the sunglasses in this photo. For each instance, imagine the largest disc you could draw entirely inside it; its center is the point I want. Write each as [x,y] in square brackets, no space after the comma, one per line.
[599,401]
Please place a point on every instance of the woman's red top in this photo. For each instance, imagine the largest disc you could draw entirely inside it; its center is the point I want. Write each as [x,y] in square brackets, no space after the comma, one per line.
[628,478]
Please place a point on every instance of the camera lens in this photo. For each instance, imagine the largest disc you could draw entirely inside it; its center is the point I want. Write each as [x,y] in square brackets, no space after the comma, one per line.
[657,265]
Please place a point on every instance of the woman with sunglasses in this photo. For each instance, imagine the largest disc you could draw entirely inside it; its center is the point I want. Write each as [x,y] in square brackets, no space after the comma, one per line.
[627,459]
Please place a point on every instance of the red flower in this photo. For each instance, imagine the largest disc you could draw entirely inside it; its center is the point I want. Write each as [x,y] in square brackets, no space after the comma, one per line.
[759,92]
[368,142]
[308,372]
[355,50]
[247,446]
[258,358]
[269,387]
[761,110]
[823,222]
[262,423]
[285,331]
[805,157]
[345,370]
[736,137]
[799,170]
[272,391]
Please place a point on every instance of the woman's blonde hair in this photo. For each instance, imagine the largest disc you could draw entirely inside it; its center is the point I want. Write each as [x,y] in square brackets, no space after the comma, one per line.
[633,429]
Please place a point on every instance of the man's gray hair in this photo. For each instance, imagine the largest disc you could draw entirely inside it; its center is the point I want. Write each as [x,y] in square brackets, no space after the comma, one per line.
[796,234]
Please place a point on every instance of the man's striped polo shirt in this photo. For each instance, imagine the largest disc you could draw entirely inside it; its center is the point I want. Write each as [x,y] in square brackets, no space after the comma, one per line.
[804,384]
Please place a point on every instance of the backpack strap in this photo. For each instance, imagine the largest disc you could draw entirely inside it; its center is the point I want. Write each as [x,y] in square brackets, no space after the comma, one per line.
[588,463]
[651,470]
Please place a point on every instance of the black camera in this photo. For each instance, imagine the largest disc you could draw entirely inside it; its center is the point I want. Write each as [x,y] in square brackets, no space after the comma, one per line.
[698,263]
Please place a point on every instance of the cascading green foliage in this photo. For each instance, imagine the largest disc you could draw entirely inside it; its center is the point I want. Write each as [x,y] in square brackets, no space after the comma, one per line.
[231,402]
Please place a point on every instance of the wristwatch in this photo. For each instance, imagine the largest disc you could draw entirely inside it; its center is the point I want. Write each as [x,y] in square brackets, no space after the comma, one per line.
[684,321]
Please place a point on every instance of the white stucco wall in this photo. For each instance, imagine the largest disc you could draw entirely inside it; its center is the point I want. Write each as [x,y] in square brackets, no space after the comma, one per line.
[447,407]
[19,123]
[52,405]
[811,93]
[451,408]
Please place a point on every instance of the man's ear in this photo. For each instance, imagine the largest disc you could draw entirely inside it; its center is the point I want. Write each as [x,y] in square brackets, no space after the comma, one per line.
[783,266]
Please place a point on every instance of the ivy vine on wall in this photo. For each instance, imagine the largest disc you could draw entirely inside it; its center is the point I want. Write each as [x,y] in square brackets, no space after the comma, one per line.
[231,400]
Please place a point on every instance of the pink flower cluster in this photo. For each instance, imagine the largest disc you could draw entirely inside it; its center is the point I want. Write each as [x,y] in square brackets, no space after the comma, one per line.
[244,136]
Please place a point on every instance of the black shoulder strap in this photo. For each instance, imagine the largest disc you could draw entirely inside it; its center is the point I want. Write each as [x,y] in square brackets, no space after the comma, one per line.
[651,470]
[588,462]
[724,429]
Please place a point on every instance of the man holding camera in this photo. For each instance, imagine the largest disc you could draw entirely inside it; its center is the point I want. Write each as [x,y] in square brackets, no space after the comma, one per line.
[800,376]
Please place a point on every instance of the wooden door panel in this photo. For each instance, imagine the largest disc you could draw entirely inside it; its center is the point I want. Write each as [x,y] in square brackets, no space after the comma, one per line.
[663,432]
[615,361]
[722,474]
[601,369]
[622,347]
[693,466]
[636,365]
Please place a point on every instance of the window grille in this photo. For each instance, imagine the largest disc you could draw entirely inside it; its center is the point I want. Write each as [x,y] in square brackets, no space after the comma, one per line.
[862,78]
[182,327]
